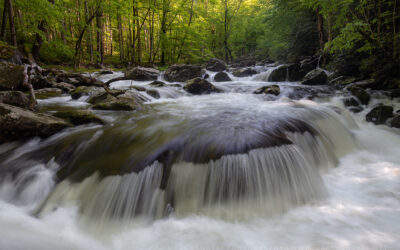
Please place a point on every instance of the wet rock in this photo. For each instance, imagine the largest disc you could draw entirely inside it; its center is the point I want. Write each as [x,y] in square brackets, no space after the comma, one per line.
[66,87]
[11,76]
[40,82]
[279,74]
[142,74]
[100,97]
[17,123]
[216,65]
[350,101]
[79,80]
[198,86]
[79,117]
[244,72]
[85,91]
[47,93]
[15,98]
[395,122]
[154,93]
[315,77]
[157,84]
[380,114]
[138,88]
[126,101]
[269,90]
[222,77]
[206,76]
[182,73]
[360,93]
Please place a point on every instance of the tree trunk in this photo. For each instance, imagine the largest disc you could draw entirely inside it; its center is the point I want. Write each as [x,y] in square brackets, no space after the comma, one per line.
[135,16]
[4,22]
[100,45]
[11,22]
[163,32]
[320,26]
[121,37]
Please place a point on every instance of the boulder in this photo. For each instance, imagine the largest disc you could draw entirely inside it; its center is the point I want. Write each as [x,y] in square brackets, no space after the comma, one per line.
[11,76]
[315,77]
[360,93]
[244,72]
[142,74]
[10,54]
[182,73]
[40,82]
[206,76]
[350,102]
[198,86]
[395,122]
[106,72]
[79,117]
[216,65]
[279,74]
[380,114]
[47,93]
[222,77]
[66,87]
[17,123]
[269,90]
[154,93]
[100,97]
[85,91]
[157,84]
[15,98]
[127,101]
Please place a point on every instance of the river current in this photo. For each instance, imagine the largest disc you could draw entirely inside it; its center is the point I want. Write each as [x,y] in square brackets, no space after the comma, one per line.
[230,170]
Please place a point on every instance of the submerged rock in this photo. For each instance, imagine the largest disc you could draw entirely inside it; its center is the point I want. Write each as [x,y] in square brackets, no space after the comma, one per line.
[380,114]
[142,74]
[154,93]
[11,76]
[222,77]
[360,93]
[157,84]
[216,65]
[17,123]
[244,72]
[47,93]
[269,90]
[198,86]
[315,77]
[79,117]
[395,122]
[15,98]
[182,72]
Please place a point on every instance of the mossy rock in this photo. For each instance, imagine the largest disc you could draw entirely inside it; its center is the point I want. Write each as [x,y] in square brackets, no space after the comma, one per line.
[16,98]
[315,77]
[17,123]
[79,117]
[100,98]
[199,86]
[47,93]
[11,76]
[342,80]
[84,91]
[269,90]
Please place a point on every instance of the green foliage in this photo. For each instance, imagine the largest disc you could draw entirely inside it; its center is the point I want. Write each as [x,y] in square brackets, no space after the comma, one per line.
[56,53]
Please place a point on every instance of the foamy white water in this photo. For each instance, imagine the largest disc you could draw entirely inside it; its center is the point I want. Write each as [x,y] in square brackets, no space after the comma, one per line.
[360,207]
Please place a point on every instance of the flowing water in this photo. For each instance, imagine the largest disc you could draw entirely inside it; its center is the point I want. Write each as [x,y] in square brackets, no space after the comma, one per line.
[231,170]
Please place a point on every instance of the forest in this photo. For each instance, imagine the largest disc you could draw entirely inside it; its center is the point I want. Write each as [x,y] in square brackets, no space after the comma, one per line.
[164,32]
[199,124]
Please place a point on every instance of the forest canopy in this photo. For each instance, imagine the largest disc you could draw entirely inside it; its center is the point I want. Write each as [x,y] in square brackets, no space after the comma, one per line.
[163,32]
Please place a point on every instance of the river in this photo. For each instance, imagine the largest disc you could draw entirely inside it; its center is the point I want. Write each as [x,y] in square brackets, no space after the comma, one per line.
[230,170]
